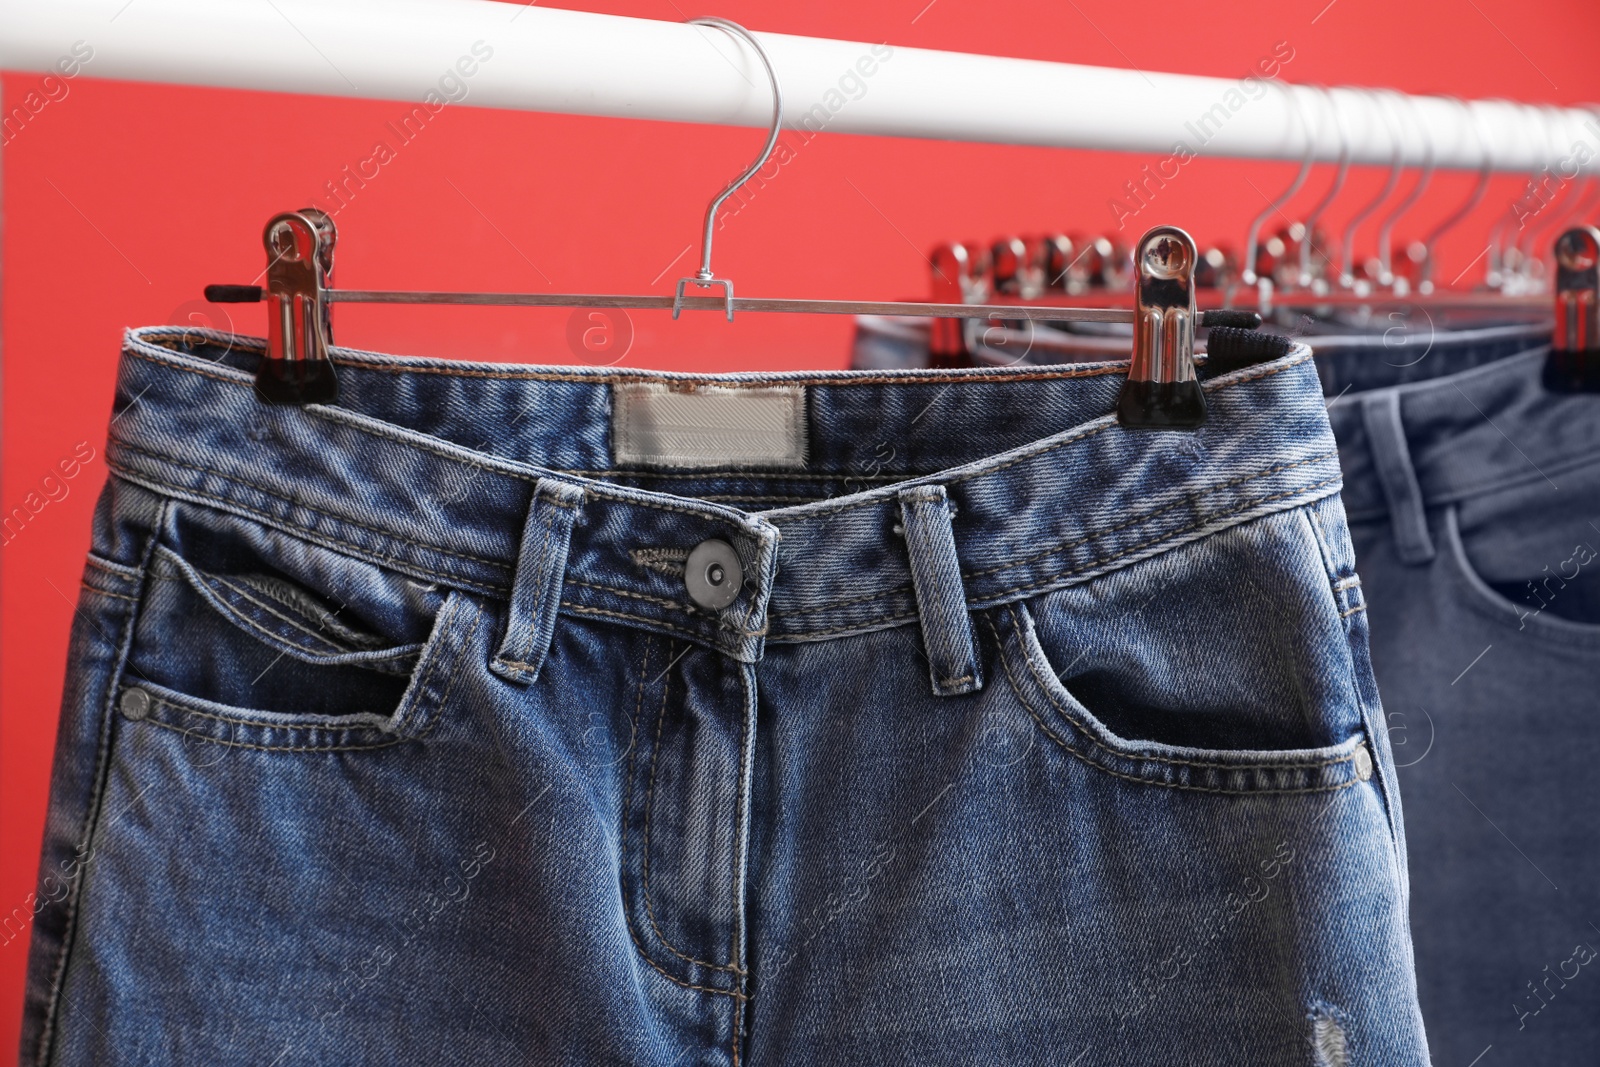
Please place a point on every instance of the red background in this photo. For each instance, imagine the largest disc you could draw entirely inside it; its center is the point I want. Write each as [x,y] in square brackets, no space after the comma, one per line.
[121,201]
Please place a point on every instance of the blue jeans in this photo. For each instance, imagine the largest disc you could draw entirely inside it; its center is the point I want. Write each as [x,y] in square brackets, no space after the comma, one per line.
[964,727]
[1474,502]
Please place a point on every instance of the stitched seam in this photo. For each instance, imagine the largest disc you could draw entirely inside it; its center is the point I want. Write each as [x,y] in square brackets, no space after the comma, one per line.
[725,473]
[158,457]
[421,686]
[268,748]
[253,345]
[739,854]
[1116,368]
[1352,611]
[436,714]
[255,595]
[1073,438]
[106,729]
[816,609]
[627,803]
[1171,507]
[433,713]
[630,594]
[1033,669]
[1006,662]
[276,637]
[920,501]
[231,613]
[856,626]
[1062,576]
[925,535]
[119,569]
[383,433]
[544,576]
[425,446]
[102,592]
[649,819]
[585,610]
[1101,562]
[705,515]
[728,498]
[333,544]
[739,845]
[1065,545]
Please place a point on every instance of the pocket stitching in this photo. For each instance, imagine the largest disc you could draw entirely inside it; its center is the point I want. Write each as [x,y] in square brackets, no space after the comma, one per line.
[245,594]
[1090,733]
[431,716]
[1093,741]
[231,613]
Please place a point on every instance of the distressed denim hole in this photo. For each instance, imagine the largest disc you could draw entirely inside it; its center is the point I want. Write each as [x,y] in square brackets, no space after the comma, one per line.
[1329,1043]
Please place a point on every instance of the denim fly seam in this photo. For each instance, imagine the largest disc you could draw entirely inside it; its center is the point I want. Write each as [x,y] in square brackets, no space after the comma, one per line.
[503,744]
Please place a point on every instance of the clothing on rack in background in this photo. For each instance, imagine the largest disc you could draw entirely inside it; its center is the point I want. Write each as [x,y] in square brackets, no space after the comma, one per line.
[1473,496]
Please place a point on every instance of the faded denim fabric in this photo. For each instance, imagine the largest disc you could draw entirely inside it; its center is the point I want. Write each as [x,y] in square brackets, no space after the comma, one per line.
[1474,503]
[393,734]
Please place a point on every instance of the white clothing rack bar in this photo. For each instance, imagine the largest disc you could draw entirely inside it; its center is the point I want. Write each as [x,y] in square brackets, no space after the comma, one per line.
[579,63]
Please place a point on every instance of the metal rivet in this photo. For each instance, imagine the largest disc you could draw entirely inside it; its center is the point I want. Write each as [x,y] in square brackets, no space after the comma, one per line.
[135,704]
[713,574]
[1363,759]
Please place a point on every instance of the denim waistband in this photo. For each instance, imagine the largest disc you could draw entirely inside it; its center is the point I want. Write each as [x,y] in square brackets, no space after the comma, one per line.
[1456,436]
[1399,355]
[433,467]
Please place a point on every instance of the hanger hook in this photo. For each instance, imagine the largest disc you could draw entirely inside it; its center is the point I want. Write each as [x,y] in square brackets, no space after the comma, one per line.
[1252,248]
[1503,269]
[1347,251]
[1582,210]
[703,277]
[1386,231]
[1527,225]
[1485,172]
[1569,191]
[1315,214]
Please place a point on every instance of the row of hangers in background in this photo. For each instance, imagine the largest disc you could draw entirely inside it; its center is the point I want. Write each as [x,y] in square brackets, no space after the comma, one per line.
[1298,271]
[1162,278]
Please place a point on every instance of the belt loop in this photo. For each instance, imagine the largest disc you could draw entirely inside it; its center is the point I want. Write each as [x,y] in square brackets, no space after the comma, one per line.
[1386,435]
[536,590]
[941,598]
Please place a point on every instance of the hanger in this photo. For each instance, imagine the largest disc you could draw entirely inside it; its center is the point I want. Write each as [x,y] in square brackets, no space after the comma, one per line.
[1450,221]
[1161,393]
[1573,365]
[1307,278]
[1401,285]
[1347,277]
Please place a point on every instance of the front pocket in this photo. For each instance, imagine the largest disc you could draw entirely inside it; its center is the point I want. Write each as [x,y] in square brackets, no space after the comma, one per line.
[412,716]
[247,636]
[1067,722]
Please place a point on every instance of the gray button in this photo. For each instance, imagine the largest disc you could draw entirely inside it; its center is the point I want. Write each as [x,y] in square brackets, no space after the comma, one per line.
[713,574]
[1363,760]
[135,704]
